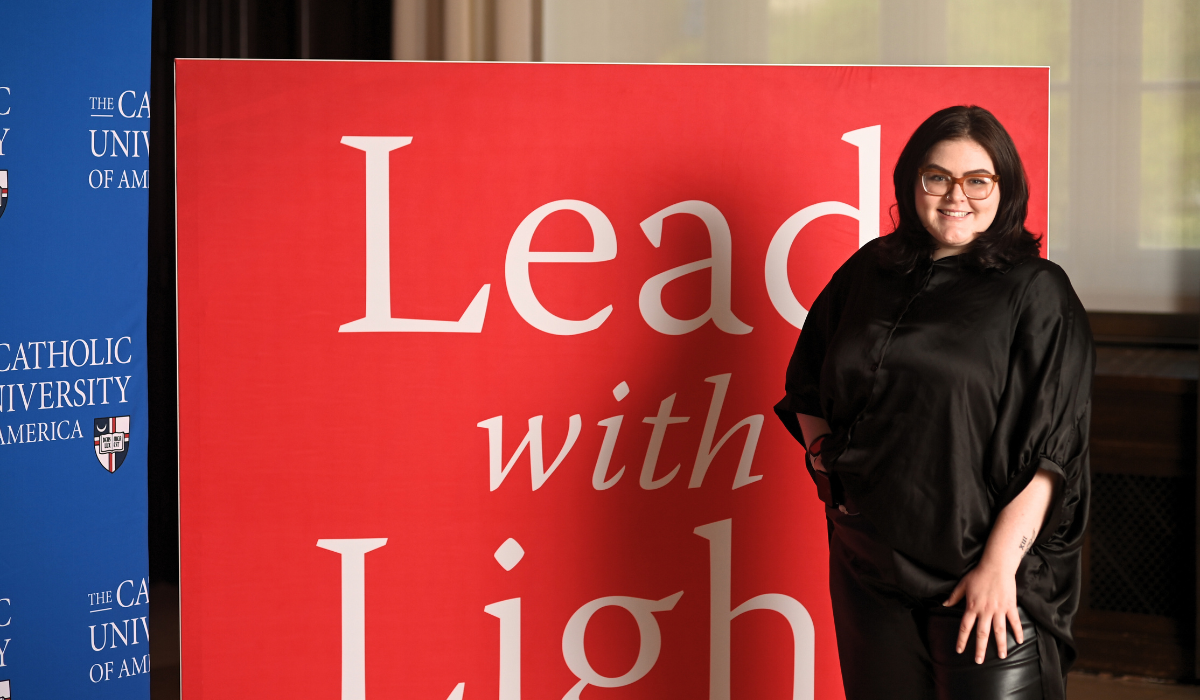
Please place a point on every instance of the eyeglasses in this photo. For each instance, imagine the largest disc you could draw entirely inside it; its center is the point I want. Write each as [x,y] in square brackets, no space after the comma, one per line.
[938,183]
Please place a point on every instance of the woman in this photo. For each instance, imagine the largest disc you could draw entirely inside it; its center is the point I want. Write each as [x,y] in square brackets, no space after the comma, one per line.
[942,386]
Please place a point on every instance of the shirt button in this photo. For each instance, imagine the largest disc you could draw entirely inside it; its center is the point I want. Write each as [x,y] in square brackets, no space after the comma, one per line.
[875,367]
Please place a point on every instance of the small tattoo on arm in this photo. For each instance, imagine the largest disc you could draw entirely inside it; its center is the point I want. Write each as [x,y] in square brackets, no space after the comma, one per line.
[1024,541]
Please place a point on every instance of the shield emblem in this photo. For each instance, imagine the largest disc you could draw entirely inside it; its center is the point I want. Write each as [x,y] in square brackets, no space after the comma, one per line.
[111,441]
[3,190]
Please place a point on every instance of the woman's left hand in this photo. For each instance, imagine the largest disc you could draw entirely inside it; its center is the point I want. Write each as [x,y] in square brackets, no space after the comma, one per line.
[990,589]
[991,595]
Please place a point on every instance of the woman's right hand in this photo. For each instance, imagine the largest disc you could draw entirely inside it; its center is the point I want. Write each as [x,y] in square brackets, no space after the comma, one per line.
[819,465]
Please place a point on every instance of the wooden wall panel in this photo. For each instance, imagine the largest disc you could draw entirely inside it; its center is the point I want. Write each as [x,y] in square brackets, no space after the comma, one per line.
[1138,612]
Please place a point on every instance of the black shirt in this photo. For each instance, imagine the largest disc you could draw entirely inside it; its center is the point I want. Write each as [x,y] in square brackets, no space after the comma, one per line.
[946,389]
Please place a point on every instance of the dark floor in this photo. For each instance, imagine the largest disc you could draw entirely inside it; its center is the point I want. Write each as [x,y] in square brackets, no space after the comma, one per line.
[1086,686]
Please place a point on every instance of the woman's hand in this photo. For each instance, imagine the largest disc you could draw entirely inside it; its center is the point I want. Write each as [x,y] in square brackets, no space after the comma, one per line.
[990,589]
[818,464]
[991,595]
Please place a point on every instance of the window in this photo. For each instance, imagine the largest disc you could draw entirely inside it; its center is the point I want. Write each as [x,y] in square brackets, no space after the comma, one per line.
[1124,102]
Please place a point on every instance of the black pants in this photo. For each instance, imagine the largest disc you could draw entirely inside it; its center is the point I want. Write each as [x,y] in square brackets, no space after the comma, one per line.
[893,648]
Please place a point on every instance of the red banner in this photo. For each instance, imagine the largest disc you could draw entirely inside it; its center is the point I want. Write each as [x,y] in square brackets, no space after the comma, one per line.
[476,367]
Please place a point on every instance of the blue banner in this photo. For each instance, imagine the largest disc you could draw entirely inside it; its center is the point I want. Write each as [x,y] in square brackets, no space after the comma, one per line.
[74,147]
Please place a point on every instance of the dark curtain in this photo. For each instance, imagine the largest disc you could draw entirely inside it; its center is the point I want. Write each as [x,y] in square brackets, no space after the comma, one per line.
[326,29]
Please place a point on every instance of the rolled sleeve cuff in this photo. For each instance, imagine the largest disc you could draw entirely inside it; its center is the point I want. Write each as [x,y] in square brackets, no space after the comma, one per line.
[1061,493]
[789,406]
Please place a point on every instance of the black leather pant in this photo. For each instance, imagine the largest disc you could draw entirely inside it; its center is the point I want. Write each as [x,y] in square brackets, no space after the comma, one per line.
[893,648]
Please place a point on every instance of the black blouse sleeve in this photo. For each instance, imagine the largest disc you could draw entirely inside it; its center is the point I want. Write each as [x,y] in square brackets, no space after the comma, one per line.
[1047,402]
[803,381]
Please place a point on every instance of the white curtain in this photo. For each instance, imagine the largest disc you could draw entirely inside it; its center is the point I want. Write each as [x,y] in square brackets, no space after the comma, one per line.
[1125,102]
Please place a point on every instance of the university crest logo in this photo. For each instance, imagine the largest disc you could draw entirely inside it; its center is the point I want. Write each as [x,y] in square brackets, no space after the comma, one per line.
[3,203]
[111,441]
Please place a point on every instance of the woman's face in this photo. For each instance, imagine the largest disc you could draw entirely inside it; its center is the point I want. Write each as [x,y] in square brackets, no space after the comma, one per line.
[952,219]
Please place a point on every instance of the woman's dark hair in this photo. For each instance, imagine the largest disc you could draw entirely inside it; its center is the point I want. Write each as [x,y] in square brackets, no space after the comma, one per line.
[1006,242]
